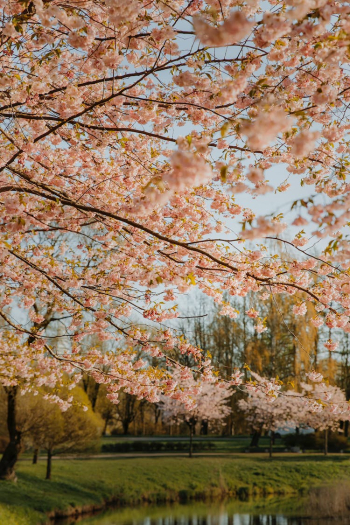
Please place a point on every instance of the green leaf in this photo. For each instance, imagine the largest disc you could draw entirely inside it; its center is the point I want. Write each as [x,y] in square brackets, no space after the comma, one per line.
[224,129]
[223,173]
[191,278]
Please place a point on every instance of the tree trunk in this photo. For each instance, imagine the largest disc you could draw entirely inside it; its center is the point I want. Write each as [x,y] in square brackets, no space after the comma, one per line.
[204,428]
[14,447]
[326,442]
[125,424]
[105,426]
[346,429]
[255,438]
[35,456]
[49,464]
[157,413]
[191,439]
[271,442]
[94,395]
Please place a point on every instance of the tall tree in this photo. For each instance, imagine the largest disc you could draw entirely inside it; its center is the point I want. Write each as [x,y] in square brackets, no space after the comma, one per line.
[126,410]
[209,403]
[12,358]
[75,428]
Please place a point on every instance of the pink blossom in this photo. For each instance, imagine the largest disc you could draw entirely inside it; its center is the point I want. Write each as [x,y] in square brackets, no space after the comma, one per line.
[315,377]
[234,29]
[304,143]
[229,311]
[188,170]
[331,345]
[300,309]
[265,127]
[317,321]
[300,241]
[255,175]
[260,328]
[252,313]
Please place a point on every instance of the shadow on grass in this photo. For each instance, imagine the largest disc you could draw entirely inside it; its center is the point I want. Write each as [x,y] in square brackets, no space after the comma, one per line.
[41,495]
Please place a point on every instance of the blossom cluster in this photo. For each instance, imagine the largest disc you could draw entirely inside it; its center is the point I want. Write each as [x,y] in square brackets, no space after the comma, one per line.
[129,139]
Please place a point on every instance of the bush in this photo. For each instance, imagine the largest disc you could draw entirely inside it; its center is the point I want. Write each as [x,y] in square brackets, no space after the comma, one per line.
[315,441]
[156,446]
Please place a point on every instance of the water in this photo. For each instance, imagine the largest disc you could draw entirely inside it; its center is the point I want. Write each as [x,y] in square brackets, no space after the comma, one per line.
[261,512]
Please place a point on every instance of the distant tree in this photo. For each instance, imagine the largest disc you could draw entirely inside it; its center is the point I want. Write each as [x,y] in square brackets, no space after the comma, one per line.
[326,408]
[60,430]
[105,408]
[318,405]
[11,349]
[270,414]
[126,410]
[88,381]
[209,402]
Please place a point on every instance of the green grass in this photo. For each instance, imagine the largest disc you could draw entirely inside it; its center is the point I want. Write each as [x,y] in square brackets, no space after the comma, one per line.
[131,481]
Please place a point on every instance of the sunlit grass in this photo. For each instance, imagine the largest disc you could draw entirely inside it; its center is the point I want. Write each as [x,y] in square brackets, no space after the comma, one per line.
[77,483]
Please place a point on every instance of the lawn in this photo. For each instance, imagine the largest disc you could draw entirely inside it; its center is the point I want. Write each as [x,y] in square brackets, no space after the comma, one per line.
[78,483]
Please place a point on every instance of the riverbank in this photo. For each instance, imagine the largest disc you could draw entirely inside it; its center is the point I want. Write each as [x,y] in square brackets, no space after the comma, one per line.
[83,484]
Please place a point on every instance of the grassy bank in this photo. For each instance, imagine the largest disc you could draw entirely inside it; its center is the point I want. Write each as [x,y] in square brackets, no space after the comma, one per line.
[80,483]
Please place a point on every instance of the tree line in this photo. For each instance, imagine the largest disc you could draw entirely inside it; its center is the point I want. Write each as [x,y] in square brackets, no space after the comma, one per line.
[288,348]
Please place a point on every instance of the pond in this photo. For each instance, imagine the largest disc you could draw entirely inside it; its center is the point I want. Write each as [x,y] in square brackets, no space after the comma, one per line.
[260,512]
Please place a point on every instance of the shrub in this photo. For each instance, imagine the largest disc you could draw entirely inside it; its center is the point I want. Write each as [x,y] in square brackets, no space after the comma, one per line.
[156,446]
[315,441]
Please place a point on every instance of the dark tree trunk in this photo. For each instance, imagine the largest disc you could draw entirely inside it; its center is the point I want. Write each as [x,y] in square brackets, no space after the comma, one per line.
[48,464]
[125,424]
[272,438]
[326,442]
[255,438]
[346,429]
[35,456]
[85,381]
[157,413]
[105,426]
[14,447]
[191,440]
[204,428]
[94,395]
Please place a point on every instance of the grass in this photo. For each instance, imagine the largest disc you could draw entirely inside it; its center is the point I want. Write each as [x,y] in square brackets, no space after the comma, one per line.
[79,483]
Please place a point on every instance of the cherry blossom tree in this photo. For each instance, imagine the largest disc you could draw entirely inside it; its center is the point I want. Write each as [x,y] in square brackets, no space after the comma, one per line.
[109,211]
[270,414]
[319,406]
[326,406]
[208,403]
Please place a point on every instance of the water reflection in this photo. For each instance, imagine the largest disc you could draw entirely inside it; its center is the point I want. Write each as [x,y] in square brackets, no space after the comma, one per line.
[235,513]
